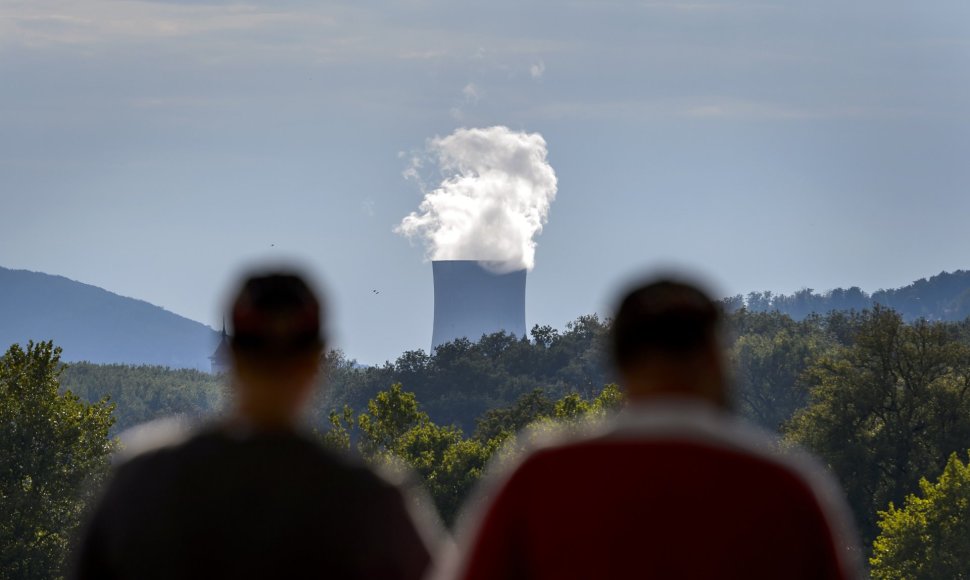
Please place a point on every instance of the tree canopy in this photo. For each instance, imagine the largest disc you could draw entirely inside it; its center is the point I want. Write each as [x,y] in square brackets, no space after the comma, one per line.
[461,380]
[394,431]
[929,537]
[887,408]
[145,392]
[55,449]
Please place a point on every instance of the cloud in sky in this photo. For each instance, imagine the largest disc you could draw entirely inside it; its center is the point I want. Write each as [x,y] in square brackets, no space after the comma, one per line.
[745,51]
[40,24]
[537,70]
[472,93]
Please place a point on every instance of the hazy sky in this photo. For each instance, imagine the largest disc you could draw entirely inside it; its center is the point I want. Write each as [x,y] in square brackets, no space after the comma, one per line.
[153,148]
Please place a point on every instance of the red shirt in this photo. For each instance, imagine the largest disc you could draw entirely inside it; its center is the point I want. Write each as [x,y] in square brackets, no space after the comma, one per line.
[671,490]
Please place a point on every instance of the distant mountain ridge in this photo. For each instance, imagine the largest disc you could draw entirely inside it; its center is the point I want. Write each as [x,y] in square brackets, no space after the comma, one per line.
[93,324]
[945,296]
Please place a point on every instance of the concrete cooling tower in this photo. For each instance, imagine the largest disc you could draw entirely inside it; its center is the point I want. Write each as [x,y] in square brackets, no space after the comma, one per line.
[470,301]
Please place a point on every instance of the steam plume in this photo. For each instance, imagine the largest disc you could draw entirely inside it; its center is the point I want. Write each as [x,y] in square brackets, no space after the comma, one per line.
[493,198]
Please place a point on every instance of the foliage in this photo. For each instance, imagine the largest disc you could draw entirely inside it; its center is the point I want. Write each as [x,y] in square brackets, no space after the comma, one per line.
[142,393]
[504,421]
[394,431]
[55,450]
[573,407]
[462,380]
[929,537]
[338,435]
[887,408]
[390,415]
[769,363]
[610,400]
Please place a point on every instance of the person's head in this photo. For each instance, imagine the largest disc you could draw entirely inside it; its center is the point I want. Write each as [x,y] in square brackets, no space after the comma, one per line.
[666,341]
[276,346]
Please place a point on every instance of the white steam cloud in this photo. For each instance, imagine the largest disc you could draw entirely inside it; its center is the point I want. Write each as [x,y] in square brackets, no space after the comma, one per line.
[492,201]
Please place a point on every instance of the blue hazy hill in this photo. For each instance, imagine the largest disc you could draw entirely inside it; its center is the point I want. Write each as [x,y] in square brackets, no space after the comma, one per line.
[92,324]
[945,296]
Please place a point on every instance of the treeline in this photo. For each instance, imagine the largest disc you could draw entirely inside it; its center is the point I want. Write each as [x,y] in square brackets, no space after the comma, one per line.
[945,296]
[461,380]
[146,392]
[881,401]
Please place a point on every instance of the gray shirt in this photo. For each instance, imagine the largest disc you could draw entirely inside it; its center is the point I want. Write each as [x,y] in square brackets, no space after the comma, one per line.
[259,505]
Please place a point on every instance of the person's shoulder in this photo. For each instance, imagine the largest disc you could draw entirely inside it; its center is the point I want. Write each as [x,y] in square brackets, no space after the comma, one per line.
[146,439]
[672,422]
[777,463]
[704,425]
[338,467]
[525,456]
[145,449]
[684,424]
[175,440]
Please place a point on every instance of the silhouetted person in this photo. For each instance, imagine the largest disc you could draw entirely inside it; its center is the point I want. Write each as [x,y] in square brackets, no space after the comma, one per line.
[674,486]
[252,497]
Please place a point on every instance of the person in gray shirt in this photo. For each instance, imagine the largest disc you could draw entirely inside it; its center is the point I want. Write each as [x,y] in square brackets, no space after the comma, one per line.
[252,496]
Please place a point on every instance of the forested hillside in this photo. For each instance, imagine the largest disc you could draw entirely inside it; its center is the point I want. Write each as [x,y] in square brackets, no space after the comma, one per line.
[142,393]
[91,324]
[945,296]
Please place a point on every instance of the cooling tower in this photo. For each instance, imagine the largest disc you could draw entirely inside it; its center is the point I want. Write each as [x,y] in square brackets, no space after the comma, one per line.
[470,301]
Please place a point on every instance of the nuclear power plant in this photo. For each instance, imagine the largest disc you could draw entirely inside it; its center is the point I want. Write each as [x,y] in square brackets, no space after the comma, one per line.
[470,300]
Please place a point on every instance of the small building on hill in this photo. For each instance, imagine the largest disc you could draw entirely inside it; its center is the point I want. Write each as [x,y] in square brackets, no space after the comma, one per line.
[221,359]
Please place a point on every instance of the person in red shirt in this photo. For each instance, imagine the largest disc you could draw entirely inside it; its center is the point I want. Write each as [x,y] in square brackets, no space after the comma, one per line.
[673,487]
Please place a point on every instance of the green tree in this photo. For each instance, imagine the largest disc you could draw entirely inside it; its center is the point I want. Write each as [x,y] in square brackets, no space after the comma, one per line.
[571,407]
[390,415]
[395,432]
[929,537]
[610,400]
[503,421]
[54,450]
[341,425]
[448,464]
[887,409]
[769,371]
[463,465]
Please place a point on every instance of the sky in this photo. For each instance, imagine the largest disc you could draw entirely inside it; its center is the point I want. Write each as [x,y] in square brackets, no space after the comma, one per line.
[157,149]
